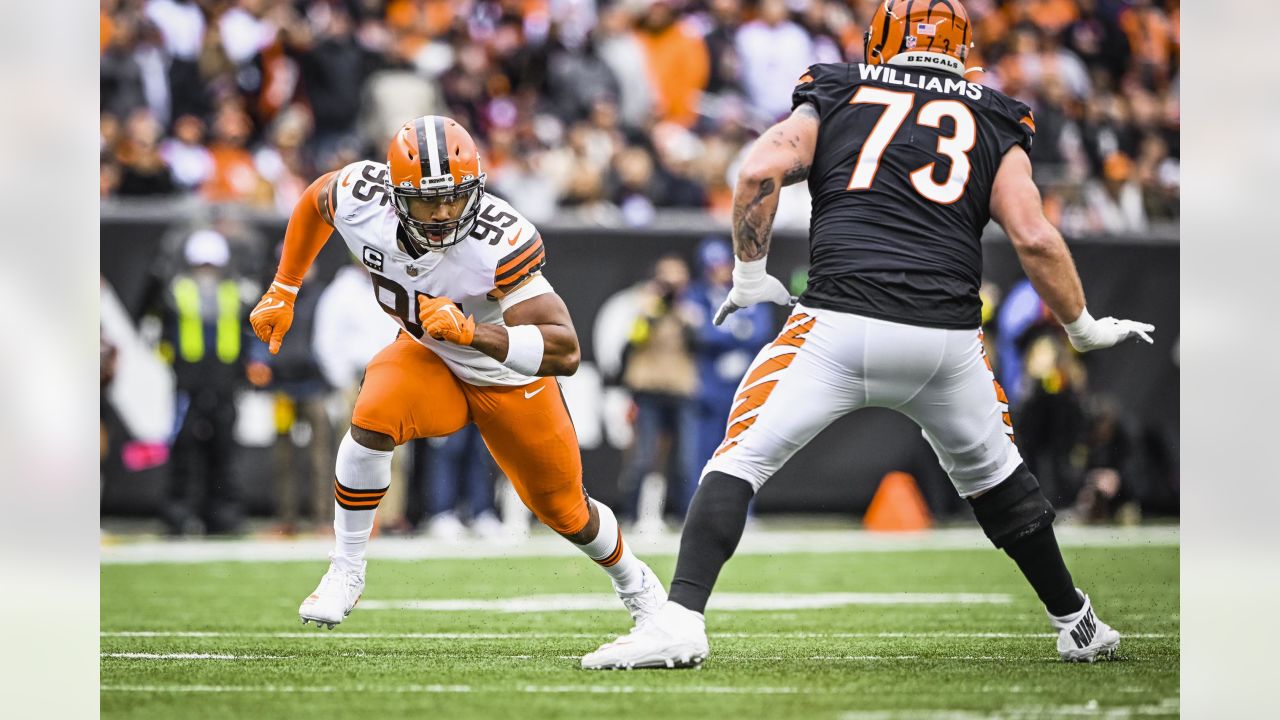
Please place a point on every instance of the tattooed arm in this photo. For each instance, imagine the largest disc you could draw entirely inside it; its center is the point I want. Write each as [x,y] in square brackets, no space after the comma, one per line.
[782,156]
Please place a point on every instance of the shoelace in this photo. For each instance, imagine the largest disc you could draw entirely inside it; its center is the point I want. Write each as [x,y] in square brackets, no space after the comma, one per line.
[348,580]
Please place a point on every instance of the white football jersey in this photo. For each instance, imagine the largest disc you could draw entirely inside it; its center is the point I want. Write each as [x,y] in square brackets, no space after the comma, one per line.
[503,253]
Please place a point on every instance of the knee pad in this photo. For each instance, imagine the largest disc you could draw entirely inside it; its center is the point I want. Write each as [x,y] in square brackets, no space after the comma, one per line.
[1013,509]
[363,475]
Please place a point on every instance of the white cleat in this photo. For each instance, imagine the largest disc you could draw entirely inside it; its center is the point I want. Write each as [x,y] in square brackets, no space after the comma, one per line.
[645,603]
[1082,637]
[674,637]
[334,598]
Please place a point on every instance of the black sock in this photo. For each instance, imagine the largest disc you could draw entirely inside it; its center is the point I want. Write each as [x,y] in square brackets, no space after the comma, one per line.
[712,530]
[1040,561]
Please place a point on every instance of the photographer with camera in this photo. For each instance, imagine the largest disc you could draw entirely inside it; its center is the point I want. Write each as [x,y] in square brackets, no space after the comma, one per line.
[660,370]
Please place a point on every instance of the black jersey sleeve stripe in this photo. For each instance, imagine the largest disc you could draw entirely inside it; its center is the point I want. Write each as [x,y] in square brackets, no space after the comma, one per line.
[517,274]
[513,258]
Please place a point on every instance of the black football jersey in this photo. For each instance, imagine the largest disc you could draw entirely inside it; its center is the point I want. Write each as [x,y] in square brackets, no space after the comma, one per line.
[901,185]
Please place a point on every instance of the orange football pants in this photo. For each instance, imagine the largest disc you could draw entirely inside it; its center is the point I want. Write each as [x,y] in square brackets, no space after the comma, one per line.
[409,392]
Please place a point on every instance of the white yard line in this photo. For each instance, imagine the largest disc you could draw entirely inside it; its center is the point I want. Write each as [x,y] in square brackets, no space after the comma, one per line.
[1092,709]
[757,541]
[719,602]
[189,656]
[463,689]
[340,635]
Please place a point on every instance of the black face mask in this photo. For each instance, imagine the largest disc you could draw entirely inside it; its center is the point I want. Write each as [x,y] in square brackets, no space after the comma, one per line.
[420,236]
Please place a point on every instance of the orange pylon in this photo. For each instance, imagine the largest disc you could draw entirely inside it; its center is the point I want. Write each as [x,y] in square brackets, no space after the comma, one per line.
[897,506]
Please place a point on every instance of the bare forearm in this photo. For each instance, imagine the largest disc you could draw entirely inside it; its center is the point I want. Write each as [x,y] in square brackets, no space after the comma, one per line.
[780,157]
[1053,274]
[755,202]
[560,353]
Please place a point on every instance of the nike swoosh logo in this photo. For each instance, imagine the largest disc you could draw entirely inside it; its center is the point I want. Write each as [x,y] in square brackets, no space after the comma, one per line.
[528,394]
[264,308]
[516,239]
[346,180]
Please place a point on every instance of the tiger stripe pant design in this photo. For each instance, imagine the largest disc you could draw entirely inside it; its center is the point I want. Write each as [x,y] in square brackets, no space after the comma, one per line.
[825,364]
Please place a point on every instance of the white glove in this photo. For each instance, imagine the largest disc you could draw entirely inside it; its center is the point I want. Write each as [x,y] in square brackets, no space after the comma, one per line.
[1088,334]
[751,285]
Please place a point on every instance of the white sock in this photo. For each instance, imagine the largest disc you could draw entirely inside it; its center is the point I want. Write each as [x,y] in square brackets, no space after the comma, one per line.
[363,478]
[612,554]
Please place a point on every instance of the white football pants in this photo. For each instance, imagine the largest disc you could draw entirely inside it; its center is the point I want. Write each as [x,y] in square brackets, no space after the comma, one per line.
[825,364]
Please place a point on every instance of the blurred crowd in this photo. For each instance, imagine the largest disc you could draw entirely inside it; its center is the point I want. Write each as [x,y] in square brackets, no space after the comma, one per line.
[611,109]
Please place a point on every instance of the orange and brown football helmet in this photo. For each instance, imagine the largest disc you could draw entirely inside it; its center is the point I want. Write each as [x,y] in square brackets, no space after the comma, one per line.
[435,181]
[928,33]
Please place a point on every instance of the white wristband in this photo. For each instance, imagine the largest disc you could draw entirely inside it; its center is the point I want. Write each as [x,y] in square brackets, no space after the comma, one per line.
[1080,325]
[524,349]
[747,273]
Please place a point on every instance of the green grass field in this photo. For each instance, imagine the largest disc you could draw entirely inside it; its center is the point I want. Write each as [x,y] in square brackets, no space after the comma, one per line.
[856,662]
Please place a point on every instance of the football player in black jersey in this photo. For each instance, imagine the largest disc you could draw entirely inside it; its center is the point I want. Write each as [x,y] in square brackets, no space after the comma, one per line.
[906,161]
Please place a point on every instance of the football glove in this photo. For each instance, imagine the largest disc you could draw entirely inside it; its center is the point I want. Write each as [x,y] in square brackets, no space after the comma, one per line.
[273,315]
[443,320]
[1088,334]
[751,285]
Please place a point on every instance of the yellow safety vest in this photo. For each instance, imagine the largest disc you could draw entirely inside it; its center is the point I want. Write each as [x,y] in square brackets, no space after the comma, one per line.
[191,326]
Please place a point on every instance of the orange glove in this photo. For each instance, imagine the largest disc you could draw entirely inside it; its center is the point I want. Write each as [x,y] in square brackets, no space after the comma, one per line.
[442,320]
[273,315]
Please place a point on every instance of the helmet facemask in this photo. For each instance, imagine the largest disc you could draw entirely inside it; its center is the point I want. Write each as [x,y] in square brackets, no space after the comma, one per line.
[439,214]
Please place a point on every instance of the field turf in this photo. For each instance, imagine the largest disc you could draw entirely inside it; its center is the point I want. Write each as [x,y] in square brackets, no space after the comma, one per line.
[222,640]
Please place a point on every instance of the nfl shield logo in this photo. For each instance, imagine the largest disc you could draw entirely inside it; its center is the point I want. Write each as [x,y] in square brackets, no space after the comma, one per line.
[911,41]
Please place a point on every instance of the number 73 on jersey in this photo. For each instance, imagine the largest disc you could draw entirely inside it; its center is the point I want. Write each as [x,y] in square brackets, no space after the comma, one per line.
[897,106]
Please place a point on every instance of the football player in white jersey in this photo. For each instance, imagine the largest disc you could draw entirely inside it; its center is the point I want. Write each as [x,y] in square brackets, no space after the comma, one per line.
[484,335]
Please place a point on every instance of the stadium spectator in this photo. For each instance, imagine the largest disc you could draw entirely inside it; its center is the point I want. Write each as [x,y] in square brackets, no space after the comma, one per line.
[660,372]
[678,63]
[1108,473]
[181,26]
[280,162]
[350,328]
[333,67]
[634,186]
[460,468]
[206,337]
[235,175]
[143,170]
[677,150]
[723,20]
[723,352]
[773,51]
[1116,201]
[620,48]
[578,78]
[304,445]
[186,154]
